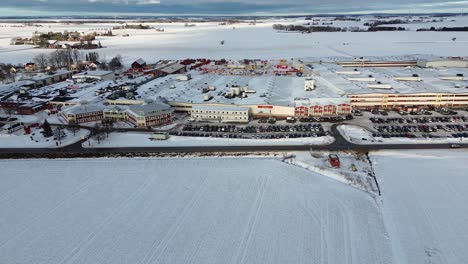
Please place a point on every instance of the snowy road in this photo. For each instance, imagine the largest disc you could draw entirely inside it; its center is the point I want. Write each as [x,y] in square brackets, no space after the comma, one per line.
[183,211]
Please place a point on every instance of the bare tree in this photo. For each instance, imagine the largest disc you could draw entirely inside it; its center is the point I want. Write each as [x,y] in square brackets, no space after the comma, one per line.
[41,60]
[98,133]
[115,63]
[77,57]
[108,125]
[103,65]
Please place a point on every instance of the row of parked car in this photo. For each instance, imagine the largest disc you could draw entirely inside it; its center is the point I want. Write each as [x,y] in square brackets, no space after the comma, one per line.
[421,128]
[255,129]
[311,119]
[247,136]
[420,120]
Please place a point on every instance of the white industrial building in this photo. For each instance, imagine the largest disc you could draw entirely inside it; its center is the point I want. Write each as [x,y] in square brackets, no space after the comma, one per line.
[226,114]
[44,79]
[94,76]
[447,63]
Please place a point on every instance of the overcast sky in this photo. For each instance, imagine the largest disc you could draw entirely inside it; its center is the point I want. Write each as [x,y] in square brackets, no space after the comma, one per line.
[222,7]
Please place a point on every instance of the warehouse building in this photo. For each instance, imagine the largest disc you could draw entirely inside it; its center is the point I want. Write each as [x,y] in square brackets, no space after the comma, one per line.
[446,63]
[218,113]
[94,76]
[398,101]
[44,79]
[150,114]
[322,107]
[32,108]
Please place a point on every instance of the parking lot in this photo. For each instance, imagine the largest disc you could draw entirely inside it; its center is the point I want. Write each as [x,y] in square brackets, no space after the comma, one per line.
[427,124]
[265,131]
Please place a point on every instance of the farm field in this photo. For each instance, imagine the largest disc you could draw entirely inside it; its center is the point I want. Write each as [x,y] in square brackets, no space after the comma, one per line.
[424,204]
[174,210]
[203,41]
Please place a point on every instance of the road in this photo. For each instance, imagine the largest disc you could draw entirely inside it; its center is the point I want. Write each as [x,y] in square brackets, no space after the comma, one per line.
[339,144]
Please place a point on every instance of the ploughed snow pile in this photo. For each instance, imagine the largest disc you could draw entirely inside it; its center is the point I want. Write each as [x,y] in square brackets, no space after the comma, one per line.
[21,140]
[360,135]
[225,210]
[135,139]
[354,169]
[425,196]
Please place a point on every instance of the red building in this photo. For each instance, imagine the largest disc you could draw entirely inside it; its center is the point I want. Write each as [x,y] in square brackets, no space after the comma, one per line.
[322,107]
[139,64]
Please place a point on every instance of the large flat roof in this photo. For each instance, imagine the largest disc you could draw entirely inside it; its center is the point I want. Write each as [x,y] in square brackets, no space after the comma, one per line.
[329,83]
[219,108]
[92,74]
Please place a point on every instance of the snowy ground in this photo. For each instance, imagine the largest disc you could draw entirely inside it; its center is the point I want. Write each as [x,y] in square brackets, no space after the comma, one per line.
[317,161]
[135,139]
[183,211]
[37,140]
[360,135]
[179,42]
[424,204]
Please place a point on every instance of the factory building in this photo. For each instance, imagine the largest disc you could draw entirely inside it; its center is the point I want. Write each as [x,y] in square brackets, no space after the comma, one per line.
[150,114]
[94,76]
[447,63]
[32,108]
[384,100]
[44,79]
[322,107]
[226,114]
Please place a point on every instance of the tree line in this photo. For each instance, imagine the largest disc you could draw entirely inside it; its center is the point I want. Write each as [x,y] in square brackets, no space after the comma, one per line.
[67,57]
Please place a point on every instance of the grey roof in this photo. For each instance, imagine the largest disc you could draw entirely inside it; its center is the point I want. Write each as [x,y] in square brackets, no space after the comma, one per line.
[140,61]
[219,108]
[45,76]
[172,68]
[79,109]
[149,108]
[92,74]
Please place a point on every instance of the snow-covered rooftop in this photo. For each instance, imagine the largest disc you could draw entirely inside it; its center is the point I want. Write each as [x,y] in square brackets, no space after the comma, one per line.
[219,108]
[92,74]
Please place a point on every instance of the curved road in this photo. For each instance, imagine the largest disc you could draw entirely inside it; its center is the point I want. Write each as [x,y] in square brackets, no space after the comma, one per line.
[340,143]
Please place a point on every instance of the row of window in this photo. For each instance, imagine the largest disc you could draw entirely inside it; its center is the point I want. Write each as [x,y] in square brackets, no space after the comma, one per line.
[157,117]
[98,113]
[222,117]
[88,119]
[220,112]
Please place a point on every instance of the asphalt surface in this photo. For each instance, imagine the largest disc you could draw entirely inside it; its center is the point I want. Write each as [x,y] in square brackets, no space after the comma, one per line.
[339,144]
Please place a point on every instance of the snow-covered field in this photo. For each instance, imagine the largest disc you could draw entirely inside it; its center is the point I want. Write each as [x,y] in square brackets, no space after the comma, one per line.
[245,41]
[197,210]
[424,203]
[360,135]
[135,139]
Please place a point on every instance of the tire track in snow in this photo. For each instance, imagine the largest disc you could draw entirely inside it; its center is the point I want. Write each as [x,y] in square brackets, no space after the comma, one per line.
[156,252]
[46,213]
[8,194]
[430,222]
[122,206]
[252,223]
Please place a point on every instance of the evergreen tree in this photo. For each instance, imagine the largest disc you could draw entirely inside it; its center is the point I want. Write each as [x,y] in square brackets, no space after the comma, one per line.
[47,129]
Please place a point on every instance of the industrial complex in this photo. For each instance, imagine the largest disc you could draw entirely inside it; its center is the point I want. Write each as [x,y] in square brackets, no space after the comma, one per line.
[146,95]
